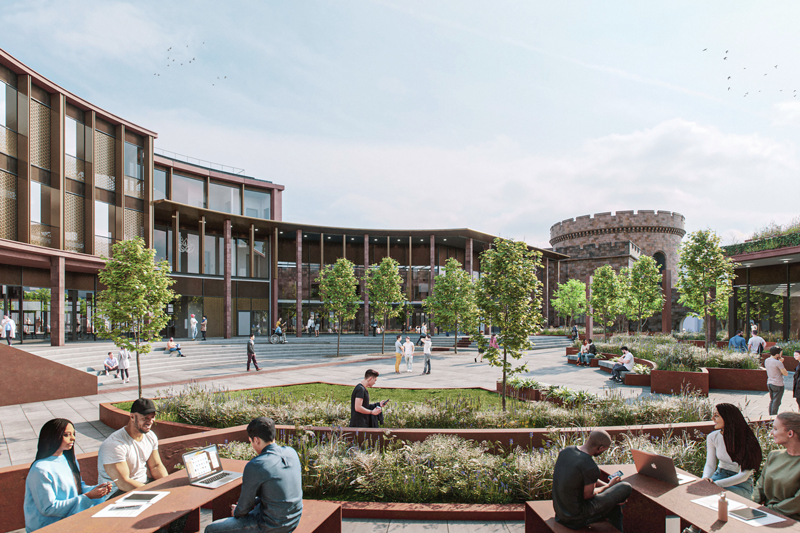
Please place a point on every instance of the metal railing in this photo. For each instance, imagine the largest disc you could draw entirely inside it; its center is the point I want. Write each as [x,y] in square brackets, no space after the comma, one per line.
[198,162]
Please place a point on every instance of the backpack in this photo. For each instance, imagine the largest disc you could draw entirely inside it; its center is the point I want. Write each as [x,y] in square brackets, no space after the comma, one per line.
[592,349]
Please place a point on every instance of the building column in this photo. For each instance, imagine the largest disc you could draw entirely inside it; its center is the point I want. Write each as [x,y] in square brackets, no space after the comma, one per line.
[201,226]
[299,298]
[89,182]
[56,301]
[546,302]
[589,319]
[24,159]
[747,307]
[58,108]
[176,241]
[365,290]
[666,311]
[468,258]
[431,276]
[787,309]
[252,244]
[227,288]
[273,282]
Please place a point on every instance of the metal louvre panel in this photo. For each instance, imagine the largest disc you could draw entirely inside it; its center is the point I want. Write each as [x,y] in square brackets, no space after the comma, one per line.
[8,142]
[134,187]
[74,168]
[74,227]
[40,135]
[8,206]
[104,162]
[134,224]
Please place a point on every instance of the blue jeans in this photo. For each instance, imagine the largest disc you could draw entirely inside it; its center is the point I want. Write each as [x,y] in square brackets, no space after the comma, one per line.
[616,371]
[175,350]
[194,333]
[427,365]
[744,489]
[585,358]
[246,524]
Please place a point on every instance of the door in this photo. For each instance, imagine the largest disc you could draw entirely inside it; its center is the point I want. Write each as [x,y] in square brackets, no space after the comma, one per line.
[243,323]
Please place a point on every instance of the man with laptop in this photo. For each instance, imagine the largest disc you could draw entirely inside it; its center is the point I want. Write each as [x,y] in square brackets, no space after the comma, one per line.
[579,497]
[272,488]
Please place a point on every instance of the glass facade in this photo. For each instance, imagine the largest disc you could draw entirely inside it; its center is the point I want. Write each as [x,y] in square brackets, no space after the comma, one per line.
[134,161]
[241,258]
[44,227]
[256,204]
[189,252]
[261,261]
[189,191]
[104,223]
[767,297]
[162,243]
[224,198]
[159,184]
[214,255]
[8,106]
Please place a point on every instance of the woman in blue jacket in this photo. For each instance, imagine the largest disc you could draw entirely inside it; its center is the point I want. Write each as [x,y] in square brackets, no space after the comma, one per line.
[54,489]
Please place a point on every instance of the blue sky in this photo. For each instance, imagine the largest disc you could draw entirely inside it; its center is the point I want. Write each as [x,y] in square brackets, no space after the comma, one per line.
[503,116]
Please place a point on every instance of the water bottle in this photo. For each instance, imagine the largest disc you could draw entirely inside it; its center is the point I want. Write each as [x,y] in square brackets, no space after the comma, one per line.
[722,508]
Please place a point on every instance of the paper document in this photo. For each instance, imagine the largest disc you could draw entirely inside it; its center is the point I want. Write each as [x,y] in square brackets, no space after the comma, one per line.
[711,503]
[131,505]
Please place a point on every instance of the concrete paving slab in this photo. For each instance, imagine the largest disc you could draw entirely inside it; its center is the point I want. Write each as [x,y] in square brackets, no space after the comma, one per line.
[365,525]
[417,526]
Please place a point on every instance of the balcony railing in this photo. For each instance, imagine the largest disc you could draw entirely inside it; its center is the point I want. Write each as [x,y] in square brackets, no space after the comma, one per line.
[42,234]
[199,162]
[74,168]
[102,246]
[134,187]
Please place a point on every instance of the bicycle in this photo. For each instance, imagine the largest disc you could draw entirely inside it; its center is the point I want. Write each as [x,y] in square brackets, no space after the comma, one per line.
[276,338]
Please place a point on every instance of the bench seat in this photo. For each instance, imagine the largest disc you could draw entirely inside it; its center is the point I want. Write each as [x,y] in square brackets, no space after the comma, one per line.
[540,516]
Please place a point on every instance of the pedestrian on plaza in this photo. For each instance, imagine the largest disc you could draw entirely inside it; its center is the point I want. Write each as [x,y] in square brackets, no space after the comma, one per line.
[426,351]
[796,379]
[251,352]
[625,363]
[408,351]
[362,413]
[492,344]
[316,326]
[310,325]
[173,346]
[26,327]
[124,358]
[398,354]
[374,325]
[204,326]
[737,342]
[9,328]
[53,488]
[193,327]
[756,344]
[775,373]
[37,326]
[111,365]
[574,332]
[423,332]
[584,357]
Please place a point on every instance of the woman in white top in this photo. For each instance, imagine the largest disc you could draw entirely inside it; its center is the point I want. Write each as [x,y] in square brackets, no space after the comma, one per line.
[124,357]
[733,450]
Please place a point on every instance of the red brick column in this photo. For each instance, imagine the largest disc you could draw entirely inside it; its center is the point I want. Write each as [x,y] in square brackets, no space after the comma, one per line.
[431,329]
[56,302]
[299,299]
[365,290]
[666,312]
[227,288]
[589,319]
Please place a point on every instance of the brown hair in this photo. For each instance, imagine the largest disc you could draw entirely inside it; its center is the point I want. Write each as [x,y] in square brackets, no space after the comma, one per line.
[791,421]
[370,373]
[599,437]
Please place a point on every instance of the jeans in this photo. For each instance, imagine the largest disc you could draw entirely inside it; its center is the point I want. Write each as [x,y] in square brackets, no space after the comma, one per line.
[123,373]
[409,362]
[605,505]
[8,337]
[194,332]
[175,350]
[585,358]
[251,357]
[743,489]
[203,332]
[427,365]
[246,524]
[615,372]
[775,397]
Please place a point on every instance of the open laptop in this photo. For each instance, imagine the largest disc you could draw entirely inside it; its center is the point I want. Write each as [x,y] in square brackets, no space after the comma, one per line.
[659,467]
[205,468]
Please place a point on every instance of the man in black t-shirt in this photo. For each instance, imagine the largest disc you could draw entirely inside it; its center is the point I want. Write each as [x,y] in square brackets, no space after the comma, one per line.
[362,413]
[579,497]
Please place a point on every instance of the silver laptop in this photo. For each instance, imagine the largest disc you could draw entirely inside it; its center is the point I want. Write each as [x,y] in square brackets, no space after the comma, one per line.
[205,468]
[659,467]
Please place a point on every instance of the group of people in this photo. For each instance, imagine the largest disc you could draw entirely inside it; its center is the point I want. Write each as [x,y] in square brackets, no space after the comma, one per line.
[625,362]
[193,327]
[119,365]
[406,350]
[271,496]
[755,345]
[733,454]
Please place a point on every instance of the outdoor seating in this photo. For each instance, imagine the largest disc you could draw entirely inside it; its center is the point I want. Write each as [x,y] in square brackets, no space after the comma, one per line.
[540,516]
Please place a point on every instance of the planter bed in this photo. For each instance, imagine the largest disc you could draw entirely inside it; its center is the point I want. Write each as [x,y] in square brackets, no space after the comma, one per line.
[737,379]
[673,382]
[524,393]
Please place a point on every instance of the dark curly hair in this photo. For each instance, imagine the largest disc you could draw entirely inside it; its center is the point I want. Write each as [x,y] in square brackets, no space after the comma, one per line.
[740,441]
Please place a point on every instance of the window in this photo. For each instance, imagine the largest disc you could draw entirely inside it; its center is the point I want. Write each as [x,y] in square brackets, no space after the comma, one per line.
[242,258]
[213,255]
[224,198]
[8,106]
[159,184]
[256,204]
[74,137]
[188,191]
[134,161]
[190,252]
[261,251]
[104,219]
[40,203]
[161,242]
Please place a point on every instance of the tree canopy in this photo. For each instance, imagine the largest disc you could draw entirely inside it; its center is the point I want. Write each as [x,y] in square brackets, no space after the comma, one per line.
[452,302]
[606,296]
[569,300]
[384,283]
[641,290]
[337,290]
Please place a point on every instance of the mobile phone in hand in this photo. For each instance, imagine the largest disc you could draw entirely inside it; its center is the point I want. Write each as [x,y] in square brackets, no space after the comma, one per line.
[384,402]
[618,473]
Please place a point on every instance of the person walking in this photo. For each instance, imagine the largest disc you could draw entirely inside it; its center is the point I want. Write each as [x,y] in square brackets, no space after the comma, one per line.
[193,327]
[756,344]
[775,373]
[398,354]
[9,329]
[374,326]
[310,325]
[204,326]
[316,326]
[426,351]
[124,362]
[251,353]
[408,351]
[796,379]
[492,344]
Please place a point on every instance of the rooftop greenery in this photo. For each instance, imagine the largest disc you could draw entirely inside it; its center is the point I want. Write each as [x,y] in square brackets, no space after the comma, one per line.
[770,237]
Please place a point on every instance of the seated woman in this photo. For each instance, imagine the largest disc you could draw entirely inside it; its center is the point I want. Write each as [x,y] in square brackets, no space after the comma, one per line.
[778,488]
[733,452]
[54,489]
[585,357]
[173,346]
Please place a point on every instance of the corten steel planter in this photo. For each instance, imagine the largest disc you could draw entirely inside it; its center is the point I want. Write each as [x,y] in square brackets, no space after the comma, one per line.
[524,393]
[673,382]
[637,380]
[572,351]
[738,379]
[595,362]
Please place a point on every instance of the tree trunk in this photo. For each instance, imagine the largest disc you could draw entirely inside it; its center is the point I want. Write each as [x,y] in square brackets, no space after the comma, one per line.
[138,367]
[708,330]
[455,343]
[383,333]
[339,336]
[505,355]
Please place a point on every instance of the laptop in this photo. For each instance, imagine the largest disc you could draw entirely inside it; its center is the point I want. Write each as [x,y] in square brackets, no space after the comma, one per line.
[205,469]
[659,467]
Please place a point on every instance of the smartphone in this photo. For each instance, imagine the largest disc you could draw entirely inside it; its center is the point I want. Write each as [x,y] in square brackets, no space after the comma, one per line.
[384,402]
[618,473]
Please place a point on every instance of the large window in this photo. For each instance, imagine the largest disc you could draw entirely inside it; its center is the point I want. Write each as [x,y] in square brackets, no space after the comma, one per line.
[190,252]
[224,198]
[104,222]
[8,106]
[189,191]
[41,196]
[74,138]
[242,252]
[214,257]
[134,161]
[261,251]
[162,242]
[159,184]
[256,204]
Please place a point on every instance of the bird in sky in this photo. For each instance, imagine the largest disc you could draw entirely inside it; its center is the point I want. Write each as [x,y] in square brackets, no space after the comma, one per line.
[776,66]
[704,49]
[729,77]
[726,51]
[725,58]
[729,88]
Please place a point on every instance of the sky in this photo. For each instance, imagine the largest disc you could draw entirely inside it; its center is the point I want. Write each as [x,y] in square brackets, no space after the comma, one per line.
[504,116]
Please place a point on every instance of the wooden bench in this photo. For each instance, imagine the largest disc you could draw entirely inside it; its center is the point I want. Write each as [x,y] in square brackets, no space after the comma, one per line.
[540,516]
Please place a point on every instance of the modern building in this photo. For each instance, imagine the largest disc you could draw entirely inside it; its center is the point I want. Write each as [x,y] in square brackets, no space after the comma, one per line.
[75,179]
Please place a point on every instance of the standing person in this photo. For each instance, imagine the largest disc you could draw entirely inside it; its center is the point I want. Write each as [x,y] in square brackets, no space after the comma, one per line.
[737,343]
[310,325]
[374,326]
[756,344]
[271,497]
[54,488]
[796,380]
[422,335]
[775,373]
[408,351]
[9,328]
[26,328]
[426,351]
[492,344]
[733,452]
[362,413]
[316,326]
[204,326]
[398,354]
[124,357]
[579,497]
[574,332]
[37,326]
[251,352]
[778,486]
[193,327]
[625,363]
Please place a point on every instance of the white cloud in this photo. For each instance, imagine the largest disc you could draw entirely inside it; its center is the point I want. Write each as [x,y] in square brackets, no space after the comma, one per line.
[787,112]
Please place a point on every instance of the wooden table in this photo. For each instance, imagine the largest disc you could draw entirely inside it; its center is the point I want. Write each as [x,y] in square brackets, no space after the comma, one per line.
[653,500]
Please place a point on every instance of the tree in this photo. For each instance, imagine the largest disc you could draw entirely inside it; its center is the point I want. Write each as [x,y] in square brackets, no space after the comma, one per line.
[705,278]
[384,283]
[135,301]
[606,296]
[509,295]
[641,290]
[452,303]
[337,290]
[569,300]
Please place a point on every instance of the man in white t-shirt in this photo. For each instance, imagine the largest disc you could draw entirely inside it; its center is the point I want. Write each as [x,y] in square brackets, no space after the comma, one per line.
[193,326]
[111,365]
[625,363]
[129,457]
[408,351]
[756,344]
[426,351]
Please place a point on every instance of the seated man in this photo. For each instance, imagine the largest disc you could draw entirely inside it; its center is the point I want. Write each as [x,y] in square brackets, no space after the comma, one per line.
[278,330]
[579,497]
[173,346]
[625,363]
[778,487]
[272,487]
[111,365]
[737,342]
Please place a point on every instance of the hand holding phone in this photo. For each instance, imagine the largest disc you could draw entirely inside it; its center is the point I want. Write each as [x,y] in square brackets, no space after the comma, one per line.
[617,474]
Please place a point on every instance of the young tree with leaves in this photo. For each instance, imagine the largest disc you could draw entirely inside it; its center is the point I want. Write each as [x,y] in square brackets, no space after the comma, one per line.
[384,283]
[452,303]
[509,295]
[606,296]
[705,278]
[135,300]
[337,290]
[641,290]
[569,300]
